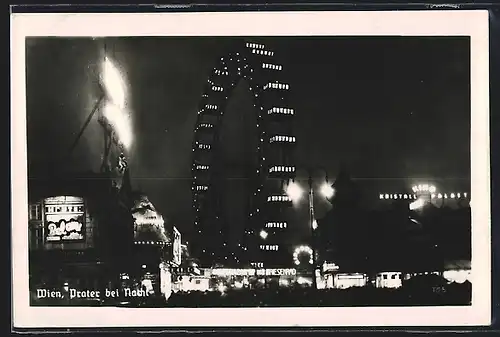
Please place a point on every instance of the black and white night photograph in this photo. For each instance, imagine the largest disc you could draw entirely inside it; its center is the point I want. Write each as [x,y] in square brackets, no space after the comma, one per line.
[251,171]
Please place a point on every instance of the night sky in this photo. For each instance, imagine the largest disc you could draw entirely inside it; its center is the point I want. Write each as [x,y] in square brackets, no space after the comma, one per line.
[394,111]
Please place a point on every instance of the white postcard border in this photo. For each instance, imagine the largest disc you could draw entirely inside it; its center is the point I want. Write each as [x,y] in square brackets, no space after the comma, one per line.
[403,23]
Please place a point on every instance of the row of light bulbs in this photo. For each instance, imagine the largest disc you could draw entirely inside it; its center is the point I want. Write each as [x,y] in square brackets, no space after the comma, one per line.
[217,88]
[202,167]
[276,86]
[302,250]
[204,146]
[282,169]
[451,195]
[278,198]
[255,45]
[160,243]
[269,247]
[262,52]
[201,187]
[397,196]
[290,139]
[276,225]
[271,66]
[221,72]
[205,126]
[275,110]
[424,188]
[285,111]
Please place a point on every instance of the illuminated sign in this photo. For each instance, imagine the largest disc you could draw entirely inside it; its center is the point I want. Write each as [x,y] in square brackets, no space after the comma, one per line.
[253,272]
[329,266]
[351,276]
[176,247]
[276,272]
[233,272]
[64,219]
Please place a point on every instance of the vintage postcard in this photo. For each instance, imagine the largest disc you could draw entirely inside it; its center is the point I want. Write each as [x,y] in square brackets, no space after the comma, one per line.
[283,169]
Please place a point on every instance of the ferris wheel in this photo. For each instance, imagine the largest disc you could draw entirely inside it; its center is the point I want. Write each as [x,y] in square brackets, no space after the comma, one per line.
[256,64]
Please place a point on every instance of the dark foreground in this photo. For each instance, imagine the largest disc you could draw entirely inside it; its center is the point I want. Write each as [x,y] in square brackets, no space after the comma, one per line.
[453,294]
[416,295]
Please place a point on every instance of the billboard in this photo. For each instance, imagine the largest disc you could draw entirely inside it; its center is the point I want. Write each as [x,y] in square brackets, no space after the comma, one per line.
[64,219]
[176,247]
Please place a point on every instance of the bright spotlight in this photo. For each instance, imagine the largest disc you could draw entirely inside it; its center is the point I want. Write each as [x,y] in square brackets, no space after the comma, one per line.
[114,106]
[294,191]
[327,190]
[432,189]
[113,83]
[120,122]
[263,234]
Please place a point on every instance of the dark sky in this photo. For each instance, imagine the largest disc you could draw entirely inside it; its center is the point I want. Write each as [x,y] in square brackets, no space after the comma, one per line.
[393,110]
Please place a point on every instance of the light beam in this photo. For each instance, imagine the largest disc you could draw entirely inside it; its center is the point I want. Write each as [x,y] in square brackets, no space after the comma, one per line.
[113,84]
[294,191]
[114,108]
[120,123]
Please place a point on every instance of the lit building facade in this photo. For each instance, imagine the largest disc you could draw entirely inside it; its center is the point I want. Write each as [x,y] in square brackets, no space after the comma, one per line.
[264,242]
[222,279]
[157,247]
